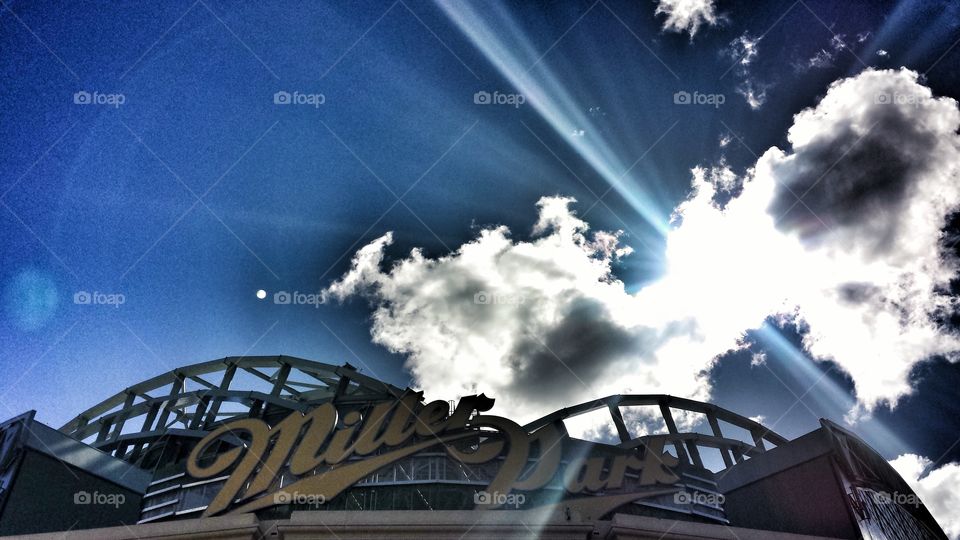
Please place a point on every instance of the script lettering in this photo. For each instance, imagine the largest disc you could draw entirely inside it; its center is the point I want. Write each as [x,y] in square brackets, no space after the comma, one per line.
[351,445]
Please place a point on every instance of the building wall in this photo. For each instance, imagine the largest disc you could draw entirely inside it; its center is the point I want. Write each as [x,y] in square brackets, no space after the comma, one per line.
[806,498]
[43,499]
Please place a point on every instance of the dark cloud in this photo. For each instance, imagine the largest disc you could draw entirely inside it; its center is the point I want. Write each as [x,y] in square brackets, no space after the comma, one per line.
[575,353]
[859,293]
[854,174]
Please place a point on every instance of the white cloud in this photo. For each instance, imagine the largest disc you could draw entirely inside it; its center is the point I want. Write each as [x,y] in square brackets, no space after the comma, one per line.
[535,324]
[687,15]
[743,51]
[720,176]
[876,162]
[939,489]
[754,93]
[824,57]
[858,261]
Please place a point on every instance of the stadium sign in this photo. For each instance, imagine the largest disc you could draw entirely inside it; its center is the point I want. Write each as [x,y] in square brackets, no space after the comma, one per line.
[328,453]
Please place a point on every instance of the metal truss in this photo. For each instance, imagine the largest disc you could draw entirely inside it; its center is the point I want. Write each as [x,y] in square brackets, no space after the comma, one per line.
[128,423]
[687,444]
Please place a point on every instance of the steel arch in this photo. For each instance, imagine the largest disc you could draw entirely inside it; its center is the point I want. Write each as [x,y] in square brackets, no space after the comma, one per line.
[296,384]
[688,444]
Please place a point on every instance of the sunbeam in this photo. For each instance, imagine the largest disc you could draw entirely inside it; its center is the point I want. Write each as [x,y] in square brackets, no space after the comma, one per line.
[494,32]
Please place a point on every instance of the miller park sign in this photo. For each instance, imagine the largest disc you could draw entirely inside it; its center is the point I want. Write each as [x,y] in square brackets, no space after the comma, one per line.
[324,452]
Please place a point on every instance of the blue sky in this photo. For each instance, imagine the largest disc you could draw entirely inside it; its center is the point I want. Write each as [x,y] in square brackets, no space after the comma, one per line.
[198,189]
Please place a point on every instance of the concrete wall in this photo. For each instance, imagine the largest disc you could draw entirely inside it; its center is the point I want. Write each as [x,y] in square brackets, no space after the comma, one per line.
[436,525]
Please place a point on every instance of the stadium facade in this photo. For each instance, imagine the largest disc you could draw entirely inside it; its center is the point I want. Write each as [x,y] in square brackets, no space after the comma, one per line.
[282,447]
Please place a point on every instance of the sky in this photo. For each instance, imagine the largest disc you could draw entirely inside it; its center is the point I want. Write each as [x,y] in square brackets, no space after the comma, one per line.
[748,204]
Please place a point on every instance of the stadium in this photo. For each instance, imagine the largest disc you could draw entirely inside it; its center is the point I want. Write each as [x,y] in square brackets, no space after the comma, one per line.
[282,447]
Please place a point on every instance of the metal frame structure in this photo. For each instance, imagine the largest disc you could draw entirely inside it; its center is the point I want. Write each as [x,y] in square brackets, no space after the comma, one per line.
[687,444]
[167,408]
[155,427]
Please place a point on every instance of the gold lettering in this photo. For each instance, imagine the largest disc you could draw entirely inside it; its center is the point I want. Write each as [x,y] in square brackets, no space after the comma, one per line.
[259,434]
[517,452]
[371,438]
[331,483]
[284,434]
[618,469]
[430,417]
[587,474]
[583,474]
[461,415]
[308,455]
[548,440]
[329,439]
[399,430]
[657,465]
[339,448]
